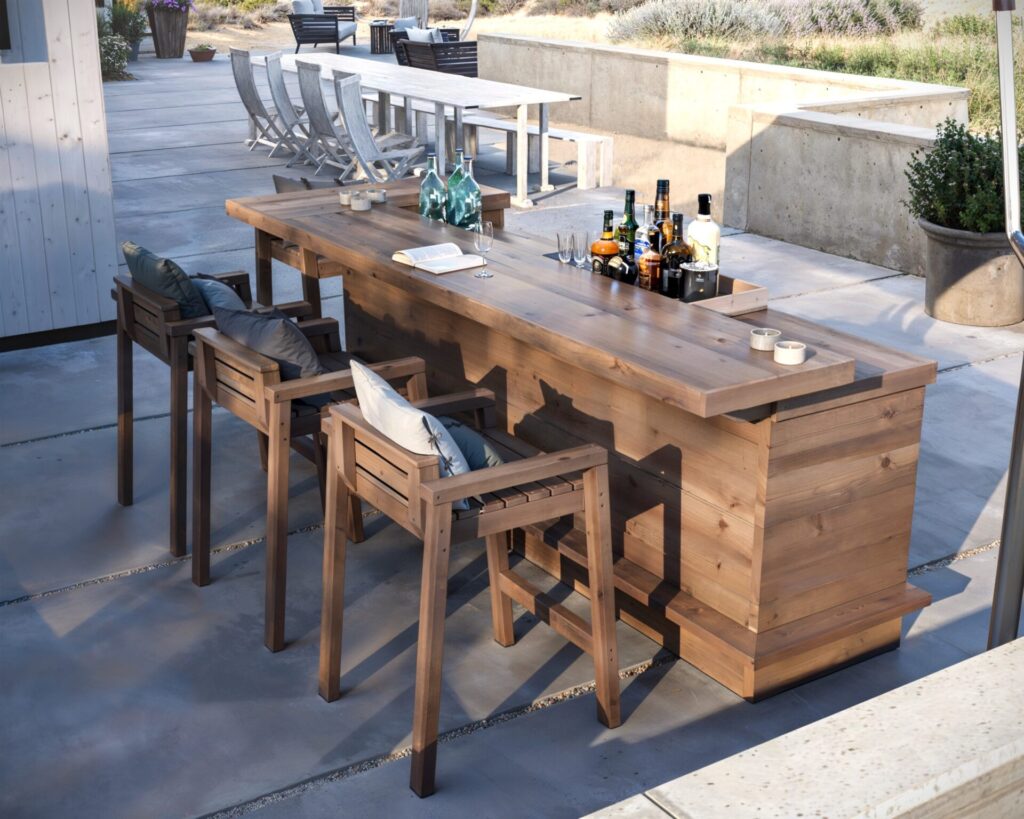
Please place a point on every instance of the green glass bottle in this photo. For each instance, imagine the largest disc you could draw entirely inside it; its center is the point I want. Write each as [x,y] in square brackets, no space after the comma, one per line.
[453,182]
[433,194]
[467,201]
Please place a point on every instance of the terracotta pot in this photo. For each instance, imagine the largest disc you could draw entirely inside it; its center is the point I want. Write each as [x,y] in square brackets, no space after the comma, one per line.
[169,27]
[972,278]
[203,56]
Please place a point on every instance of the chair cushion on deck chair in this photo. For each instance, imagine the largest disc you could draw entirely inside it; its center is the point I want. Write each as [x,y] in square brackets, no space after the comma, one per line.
[477,451]
[405,23]
[304,7]
[217,294]
[424,35]
[165,278]
[398,420]
[345,29]
[273,334]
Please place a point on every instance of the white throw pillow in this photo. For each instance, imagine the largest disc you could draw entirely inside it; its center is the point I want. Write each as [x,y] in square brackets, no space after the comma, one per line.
[405,23]
[423,35]
[391,415]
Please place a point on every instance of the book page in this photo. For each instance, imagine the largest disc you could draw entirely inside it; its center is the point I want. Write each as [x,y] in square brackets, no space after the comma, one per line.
[451,264]
[414,256]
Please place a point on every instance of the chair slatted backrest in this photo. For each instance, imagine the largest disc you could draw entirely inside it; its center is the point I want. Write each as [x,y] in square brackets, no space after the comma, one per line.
[320,120]
[279,91]
[346,14]
[451,58]
[314,28]
[399,39]
[350,102]
[235,376]
[245,82]
[143,322]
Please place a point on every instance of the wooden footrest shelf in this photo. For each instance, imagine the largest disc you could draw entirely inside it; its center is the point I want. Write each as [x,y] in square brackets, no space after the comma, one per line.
[752,664]
[567,623]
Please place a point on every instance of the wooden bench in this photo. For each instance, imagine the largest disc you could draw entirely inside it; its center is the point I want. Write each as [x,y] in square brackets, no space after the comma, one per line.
[249,386]
[594,152]
[529,488]
[154,322]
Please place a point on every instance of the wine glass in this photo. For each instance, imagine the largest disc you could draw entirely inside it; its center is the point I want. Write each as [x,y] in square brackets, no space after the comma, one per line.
[483,241]
[565,247]
[581,249]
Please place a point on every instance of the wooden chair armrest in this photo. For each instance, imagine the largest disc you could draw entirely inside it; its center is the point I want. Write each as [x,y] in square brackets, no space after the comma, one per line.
[467,401]
[154,301]
[506,476]
[349,415]
[318,327]
[295,309]
[342,380]
[248,358]
[186,327]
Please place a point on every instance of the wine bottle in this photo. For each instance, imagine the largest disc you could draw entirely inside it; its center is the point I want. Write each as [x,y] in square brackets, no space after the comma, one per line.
[662,212]
[451,205]
[605,248]
[625,234]
[673,257]
[433,194]
[469,200]
[704,236]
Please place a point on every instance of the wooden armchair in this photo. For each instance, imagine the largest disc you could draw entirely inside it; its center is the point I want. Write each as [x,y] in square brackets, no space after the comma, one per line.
[530,488]
[336,24]
[155,324]
[249,386]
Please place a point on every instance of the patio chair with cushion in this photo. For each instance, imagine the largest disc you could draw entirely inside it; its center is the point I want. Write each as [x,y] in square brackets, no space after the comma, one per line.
[449,58]
[412,473]
[400,35]
[380,158]
[314,23]
[275,375]
[158,308]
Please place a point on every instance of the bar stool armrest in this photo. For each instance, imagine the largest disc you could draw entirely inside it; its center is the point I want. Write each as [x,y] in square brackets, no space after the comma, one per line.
[468,401]
[341,380]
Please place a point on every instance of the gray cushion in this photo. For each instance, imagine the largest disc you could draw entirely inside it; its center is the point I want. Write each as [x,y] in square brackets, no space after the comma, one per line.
[164,278]
[345,29]
[403,23]
[477,451]
[318,6]
[421,35]
[217,294]
[273,334]
[302,7]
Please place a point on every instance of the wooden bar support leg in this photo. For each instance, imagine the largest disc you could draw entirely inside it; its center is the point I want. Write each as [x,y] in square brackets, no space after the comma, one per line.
[311,282]
[125,417]
[430,647]
[179,444]
[279,433]
[336,533]
[264,268]
[201,445]
[602,594]
[501,603]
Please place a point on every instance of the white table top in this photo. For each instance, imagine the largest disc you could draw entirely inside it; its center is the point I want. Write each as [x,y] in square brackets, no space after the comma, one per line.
[431,86]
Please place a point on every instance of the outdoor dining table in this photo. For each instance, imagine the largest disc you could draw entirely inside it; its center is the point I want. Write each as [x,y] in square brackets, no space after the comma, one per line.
[452,91]
[761,512]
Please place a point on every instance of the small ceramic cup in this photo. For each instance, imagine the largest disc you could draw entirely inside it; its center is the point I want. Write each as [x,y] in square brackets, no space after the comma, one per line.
[790,352]
[764,338]
[345,198]
[378,195]
[360,201]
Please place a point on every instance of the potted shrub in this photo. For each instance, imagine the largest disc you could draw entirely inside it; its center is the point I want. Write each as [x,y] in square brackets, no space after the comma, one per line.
[956,193]
[168,20]
[202,53]
[128,21]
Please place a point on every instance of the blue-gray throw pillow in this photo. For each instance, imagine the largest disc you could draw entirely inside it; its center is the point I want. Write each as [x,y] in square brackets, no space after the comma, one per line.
[165,278]
[274,335]
[217,294]
[477,451]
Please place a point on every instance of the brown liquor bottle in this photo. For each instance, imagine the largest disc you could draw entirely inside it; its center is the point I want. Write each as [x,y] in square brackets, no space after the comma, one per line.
[604,249]
[649,269]
[663,212]
[673,257]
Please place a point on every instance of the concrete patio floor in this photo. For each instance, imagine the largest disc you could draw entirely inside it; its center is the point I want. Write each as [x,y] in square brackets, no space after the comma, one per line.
[131,692]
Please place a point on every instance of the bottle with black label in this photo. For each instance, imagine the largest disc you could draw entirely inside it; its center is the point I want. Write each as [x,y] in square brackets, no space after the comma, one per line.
[625,233]
[673,257]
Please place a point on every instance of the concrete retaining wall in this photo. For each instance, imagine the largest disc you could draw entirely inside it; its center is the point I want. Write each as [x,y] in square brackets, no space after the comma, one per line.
[811,157]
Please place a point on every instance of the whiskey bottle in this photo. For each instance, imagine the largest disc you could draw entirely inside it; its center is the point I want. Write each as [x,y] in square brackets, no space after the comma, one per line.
[649,267]
[432,192]
[704,236]
[604,249]
[673,257]
[662,212]
[625,234]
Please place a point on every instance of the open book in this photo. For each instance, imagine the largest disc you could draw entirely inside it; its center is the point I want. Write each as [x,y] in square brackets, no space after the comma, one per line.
[438,259]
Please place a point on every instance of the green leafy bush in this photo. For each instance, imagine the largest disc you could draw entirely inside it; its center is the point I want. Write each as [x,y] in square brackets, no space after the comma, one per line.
[128,21]
[114,51]
[959,183]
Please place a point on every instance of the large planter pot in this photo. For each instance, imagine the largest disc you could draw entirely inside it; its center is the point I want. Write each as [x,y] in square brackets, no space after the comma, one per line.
[169,28]
[972,278]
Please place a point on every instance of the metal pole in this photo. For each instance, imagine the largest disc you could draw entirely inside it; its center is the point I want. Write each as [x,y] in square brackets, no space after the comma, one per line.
[1009,588]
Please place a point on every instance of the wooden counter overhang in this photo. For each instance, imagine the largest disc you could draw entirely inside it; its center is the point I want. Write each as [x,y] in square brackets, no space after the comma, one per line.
[761,512]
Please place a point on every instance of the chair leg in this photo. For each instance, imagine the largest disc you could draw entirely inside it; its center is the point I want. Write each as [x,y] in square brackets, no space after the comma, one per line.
[430,647]
[279,432]
[355,512]
[261,445]
[179,444]
[602,594]
[201,445]
[336,533]
[125,418]
[501,603]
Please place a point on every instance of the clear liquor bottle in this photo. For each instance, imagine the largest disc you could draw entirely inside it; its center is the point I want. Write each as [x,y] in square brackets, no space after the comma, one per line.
[453,182]
[433,192]
[468,200]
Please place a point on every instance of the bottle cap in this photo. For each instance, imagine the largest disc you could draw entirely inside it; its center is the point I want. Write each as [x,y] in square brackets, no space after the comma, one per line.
[704,204]
[677,220]
[608,214]
[662,185]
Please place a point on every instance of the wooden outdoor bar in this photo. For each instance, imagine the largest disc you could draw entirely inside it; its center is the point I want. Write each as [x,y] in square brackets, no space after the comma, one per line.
[761,513]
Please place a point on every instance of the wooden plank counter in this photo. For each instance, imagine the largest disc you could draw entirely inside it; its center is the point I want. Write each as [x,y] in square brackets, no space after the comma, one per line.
[761,513]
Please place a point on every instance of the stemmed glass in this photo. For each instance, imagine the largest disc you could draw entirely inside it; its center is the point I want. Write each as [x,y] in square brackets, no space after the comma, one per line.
[581,249]
[483,241]
[565,247]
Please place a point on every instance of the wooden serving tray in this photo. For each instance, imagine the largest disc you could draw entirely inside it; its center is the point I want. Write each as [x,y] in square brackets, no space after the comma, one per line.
[736,297]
